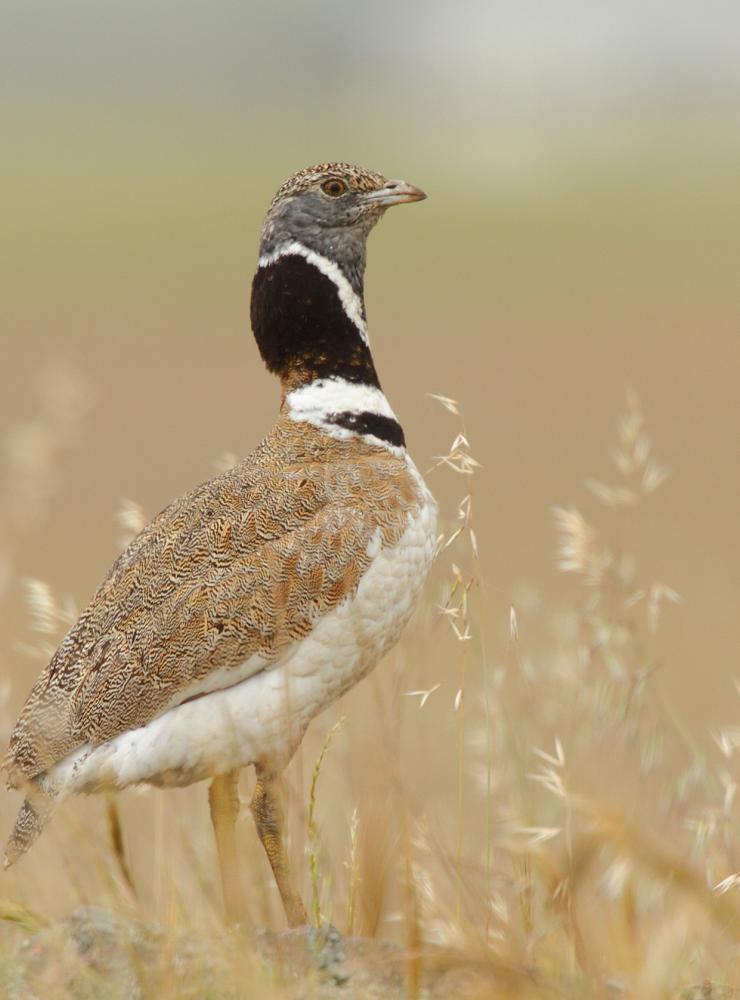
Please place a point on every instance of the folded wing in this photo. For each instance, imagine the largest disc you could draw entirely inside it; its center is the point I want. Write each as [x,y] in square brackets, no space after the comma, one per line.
[216,588]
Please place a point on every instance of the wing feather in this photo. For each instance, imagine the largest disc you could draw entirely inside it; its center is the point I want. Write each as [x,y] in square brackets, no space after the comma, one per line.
[253,612]
[222,581]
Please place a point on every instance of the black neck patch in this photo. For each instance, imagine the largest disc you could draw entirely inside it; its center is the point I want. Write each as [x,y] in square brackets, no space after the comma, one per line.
[301,328]
[385,428]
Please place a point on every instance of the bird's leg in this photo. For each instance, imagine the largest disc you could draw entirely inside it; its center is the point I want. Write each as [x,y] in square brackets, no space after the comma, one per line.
[268,816]
[223,798]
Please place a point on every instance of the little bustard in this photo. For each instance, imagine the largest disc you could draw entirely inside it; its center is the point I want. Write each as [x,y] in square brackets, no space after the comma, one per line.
[250,604]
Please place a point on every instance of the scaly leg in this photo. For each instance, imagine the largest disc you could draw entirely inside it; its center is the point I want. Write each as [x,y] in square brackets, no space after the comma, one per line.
[268,817]
[223,798]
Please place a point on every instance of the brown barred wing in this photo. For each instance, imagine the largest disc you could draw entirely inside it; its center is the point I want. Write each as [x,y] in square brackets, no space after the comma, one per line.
[234,623]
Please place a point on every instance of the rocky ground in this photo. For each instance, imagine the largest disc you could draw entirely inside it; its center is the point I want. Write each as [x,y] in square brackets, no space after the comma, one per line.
[95,954]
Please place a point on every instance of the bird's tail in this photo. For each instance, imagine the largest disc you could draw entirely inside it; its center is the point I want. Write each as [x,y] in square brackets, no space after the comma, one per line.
[33,816]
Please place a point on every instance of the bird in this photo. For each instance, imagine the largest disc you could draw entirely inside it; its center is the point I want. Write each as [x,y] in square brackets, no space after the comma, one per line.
[250,604]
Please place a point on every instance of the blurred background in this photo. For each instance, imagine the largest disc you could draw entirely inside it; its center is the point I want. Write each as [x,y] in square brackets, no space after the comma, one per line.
[581,238]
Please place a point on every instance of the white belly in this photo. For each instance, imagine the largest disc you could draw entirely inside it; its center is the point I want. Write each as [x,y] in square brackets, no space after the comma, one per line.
[266,715]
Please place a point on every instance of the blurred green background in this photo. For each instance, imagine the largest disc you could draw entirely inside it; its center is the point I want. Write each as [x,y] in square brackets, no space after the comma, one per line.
[582,235]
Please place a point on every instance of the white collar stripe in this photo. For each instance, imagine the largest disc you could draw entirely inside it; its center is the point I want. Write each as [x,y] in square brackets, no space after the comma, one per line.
[351,301]
[323,399]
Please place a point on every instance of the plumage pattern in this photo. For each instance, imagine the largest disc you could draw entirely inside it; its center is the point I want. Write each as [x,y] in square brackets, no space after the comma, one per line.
[302,180]
[250,604]
[242,566]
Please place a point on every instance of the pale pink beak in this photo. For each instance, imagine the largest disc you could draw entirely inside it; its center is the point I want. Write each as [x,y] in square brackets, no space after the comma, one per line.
[395,193]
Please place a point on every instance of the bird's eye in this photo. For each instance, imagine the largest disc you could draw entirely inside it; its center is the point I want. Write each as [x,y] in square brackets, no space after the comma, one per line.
[334,187]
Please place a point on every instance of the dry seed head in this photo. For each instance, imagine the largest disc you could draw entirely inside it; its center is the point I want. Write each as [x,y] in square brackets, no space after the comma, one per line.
[731,882]
[612,496]
[225,461]
[462,634]
[131,519]
[455,534]
[617,876]
[537,835]
[659,592]
[632,459]
[464,508]
[513,625]
[730,787]
[728,740]
[449,404]
[558,760]
[459,458]
[473,542]
[653,476]
[578,550]
[551,780]
[422,695]
[47,617]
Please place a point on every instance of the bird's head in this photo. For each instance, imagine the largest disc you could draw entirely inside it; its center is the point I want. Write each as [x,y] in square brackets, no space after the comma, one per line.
[330,210]
[307,306]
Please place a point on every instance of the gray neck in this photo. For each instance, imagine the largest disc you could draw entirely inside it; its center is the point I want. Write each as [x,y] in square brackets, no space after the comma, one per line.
[344,245]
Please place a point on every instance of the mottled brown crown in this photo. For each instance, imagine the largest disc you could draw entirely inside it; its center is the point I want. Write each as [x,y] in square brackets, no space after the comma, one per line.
[357,178]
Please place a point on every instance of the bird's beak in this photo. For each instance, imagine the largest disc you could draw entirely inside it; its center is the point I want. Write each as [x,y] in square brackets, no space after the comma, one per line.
[395,193]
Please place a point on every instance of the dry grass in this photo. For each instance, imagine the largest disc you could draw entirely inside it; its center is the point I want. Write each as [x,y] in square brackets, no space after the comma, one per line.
[513,804]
